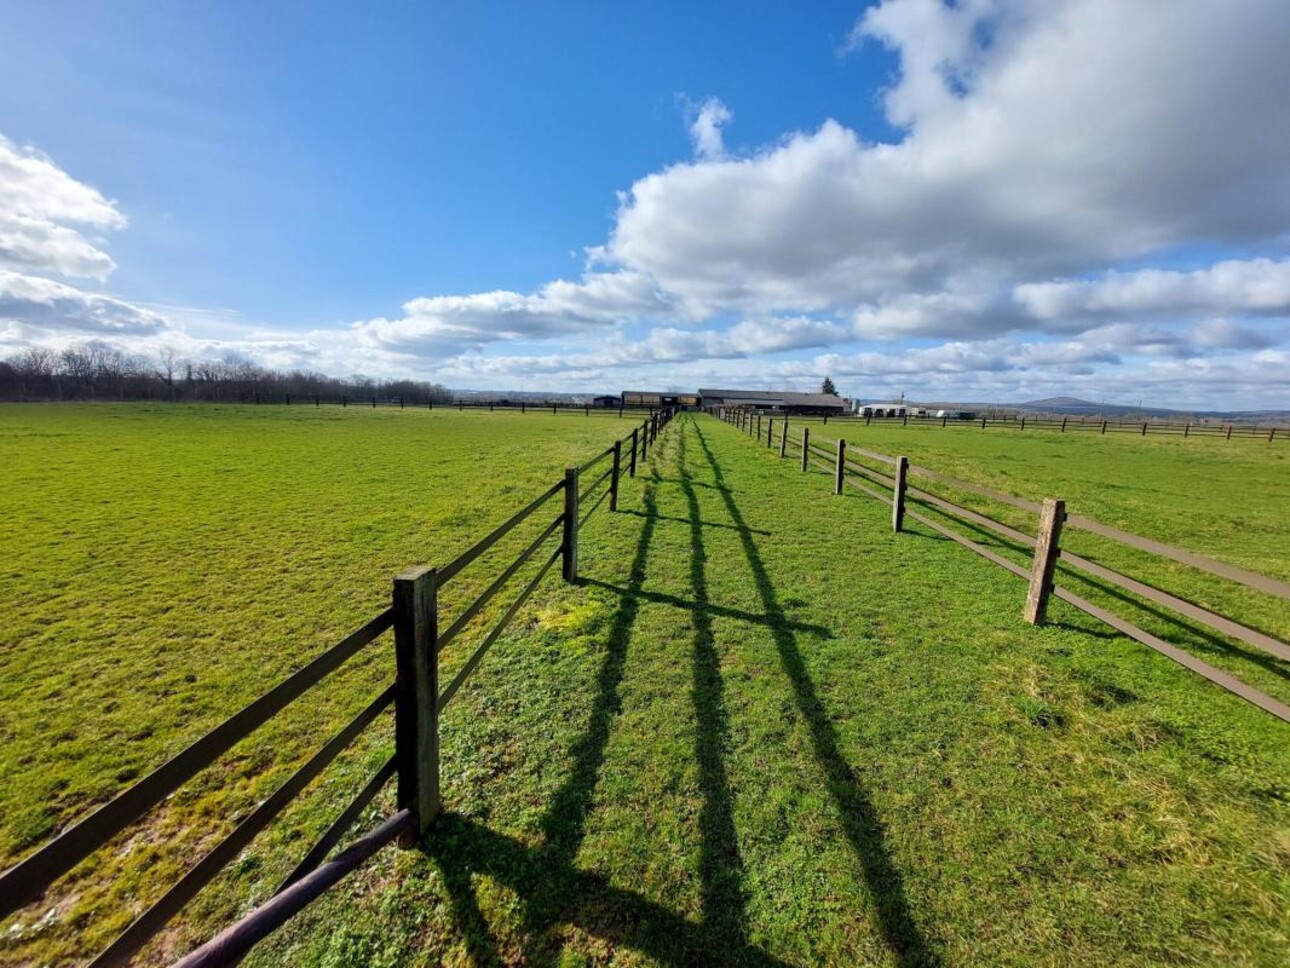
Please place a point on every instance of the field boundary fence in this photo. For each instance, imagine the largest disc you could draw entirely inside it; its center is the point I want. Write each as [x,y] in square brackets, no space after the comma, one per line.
[839,459]
[1078,424]
[420,634]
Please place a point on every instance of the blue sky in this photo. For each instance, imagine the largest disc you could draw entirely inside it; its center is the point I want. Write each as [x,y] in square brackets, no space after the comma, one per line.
[996,199]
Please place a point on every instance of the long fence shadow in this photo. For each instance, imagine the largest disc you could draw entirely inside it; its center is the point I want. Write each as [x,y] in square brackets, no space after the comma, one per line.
[545,877]
[856,811]
[720,866]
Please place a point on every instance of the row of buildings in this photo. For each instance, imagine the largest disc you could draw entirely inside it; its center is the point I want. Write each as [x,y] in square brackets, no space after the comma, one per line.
[770,401]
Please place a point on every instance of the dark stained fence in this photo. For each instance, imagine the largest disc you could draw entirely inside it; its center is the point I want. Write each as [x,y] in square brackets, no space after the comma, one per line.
[418,702]
[815,451]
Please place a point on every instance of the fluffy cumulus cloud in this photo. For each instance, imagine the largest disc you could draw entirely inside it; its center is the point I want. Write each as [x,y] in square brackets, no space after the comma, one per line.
[1023,233]
[45,213]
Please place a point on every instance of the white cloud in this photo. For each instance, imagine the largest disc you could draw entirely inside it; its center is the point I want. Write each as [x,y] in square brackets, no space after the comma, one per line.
[1253,286]
[1043,138]
[705,129]
[446,325]
[37,201]
[52,306]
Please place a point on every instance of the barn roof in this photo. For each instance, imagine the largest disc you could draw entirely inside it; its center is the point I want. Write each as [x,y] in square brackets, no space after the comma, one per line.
[782,398]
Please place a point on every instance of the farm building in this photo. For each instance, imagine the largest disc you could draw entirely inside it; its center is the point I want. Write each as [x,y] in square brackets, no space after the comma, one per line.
[775,401]
[605,400]
[650,398]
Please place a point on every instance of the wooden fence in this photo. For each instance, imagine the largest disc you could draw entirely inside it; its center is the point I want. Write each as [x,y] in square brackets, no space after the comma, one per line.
[834,457]
[419,636]
[429,403]
[1096,425]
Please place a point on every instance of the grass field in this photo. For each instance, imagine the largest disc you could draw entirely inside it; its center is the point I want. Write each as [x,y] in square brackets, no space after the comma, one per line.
[762,729]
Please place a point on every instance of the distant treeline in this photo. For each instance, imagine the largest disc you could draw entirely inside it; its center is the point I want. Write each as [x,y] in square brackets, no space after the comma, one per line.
[101,371]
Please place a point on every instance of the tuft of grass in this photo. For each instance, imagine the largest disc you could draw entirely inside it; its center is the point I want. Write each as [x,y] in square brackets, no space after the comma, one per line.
[762,729]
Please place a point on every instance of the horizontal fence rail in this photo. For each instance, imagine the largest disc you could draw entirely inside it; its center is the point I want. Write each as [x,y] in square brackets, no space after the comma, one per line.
[833,457]
[1001,421]
[414,618]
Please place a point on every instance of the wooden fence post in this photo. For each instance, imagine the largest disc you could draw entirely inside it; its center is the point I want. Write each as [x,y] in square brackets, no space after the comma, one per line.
[416,694]
[1046,548]
[943,419]
[613,477]
[569,550]
[1271,434]
[1063,425]
[783,437]
[983,423]
[898,495]
[1103,426]
[1229,432]
[631,463]
[770,430]
[840,470]
[1023,423]
[1186,430]
[1144,428]
[806,447]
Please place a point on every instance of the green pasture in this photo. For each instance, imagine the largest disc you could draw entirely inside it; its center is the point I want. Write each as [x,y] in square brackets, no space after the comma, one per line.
[762,729]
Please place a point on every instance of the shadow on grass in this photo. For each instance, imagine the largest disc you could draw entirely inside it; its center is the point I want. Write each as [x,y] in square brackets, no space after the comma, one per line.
[551,889]
[859,818]
[689,521]
[720,866]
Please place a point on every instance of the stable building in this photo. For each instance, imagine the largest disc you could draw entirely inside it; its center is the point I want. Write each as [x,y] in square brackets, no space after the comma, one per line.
[775,401]
[651,398]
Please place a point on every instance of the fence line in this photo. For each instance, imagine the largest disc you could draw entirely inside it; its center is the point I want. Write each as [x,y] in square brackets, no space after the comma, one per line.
[1046,544]
[1139,428]
[414,618]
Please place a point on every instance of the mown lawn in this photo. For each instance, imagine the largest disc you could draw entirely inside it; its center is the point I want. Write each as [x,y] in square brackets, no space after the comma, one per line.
[762,729]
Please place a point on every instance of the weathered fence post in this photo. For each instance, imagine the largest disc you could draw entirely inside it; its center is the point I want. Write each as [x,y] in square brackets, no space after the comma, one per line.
[613,477]
[904,419]
[806,447]
[944,417]
[983,423]
[1271,434]
[1186,430]
[373,403]
[770,430]
[631,464]
[1144,428]
[868,418]
[416,694]
[839,472]
[1046,549]
[343,403]
[1063,425]
[783,437]
[1023,423]
[898,495]
[1229,432]
[569,550]
[1103,426]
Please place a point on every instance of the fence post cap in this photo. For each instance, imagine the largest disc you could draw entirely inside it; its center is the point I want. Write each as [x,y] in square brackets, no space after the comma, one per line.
[414,573]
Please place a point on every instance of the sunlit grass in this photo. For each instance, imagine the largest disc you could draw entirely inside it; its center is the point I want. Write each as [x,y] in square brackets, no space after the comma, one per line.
[762,729]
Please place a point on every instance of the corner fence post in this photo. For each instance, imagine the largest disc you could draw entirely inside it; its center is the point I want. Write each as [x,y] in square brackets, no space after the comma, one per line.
[416,695]
[631,461]
[613,477]
[1051,517]
[569,551]
[806,448]
[840,471]
[898,495]
[783,437]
